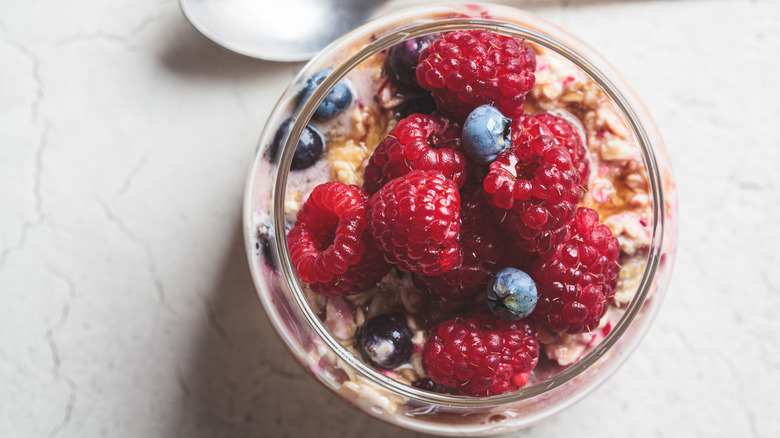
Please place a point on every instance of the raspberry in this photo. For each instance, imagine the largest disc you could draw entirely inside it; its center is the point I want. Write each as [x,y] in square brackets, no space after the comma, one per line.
[480,354]
[535,189]
[415,220]
[482,246]
[577,279]
[565,134]
[466,69]
[417,142]
[327,238]
[359,277]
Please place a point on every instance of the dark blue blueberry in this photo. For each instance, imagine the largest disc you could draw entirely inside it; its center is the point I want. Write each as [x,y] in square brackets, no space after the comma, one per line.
[265,242]
[485,134]
[402,58]
[309,150]
[429,385]
[423,104]
[263,238]
[337,100]
[511,294]
[385,341]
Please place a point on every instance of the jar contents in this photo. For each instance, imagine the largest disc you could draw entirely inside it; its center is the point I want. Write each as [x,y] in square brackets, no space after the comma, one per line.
[469,214]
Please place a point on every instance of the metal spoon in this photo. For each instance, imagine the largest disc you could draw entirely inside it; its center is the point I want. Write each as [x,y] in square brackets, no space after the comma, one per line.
[277,30]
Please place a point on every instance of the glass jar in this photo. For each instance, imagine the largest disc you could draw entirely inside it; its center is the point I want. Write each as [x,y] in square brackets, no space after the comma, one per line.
[633,140]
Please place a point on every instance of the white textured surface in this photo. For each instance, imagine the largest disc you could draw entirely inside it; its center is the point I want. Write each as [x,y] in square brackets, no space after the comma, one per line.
[126,306]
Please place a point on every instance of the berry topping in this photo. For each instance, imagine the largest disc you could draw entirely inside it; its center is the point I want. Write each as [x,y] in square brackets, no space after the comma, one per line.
[577,279]
[401,61]
[309,149]
[337,100]
[416,220]
[566,135]
[535,190]
[418,142]
[466,69]
[429,385]
[263,237]
[485,134]
[423,104]
[482,246]
[330,246]
[328,234]
[511,295]
[265,240]
[481,355]
[363,275]
[385,341]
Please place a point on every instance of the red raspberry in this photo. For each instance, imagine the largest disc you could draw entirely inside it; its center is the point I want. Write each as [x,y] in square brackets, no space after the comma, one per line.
[481,355]
[328,241]
[576,281]
[565,134]
[415,220]
[359,277]
[466,69]
[535,189]
[419,142]
[482,244]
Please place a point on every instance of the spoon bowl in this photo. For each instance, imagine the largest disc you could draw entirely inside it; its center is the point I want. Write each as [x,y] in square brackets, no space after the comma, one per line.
[287,31]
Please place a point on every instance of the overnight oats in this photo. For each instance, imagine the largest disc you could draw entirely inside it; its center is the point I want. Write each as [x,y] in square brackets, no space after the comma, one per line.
[459,223]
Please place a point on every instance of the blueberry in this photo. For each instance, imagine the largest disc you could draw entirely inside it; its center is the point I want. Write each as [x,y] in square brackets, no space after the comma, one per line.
[263,238]
[337,100]
[422,104]
[402,58]
[485,134]
[385,341]
[429,385]
[265,242]
[511,294]
[309,149]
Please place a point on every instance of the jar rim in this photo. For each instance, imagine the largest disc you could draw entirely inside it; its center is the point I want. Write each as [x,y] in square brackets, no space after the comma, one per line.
[303,114]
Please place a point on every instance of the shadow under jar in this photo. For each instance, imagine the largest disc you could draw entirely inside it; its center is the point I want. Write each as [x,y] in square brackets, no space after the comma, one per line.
[630,185]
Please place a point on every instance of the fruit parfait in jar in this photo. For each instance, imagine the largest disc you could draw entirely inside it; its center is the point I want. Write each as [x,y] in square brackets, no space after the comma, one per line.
[456,219]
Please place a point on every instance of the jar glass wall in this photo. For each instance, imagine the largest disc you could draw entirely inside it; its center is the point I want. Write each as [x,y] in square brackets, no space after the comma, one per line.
[631,185]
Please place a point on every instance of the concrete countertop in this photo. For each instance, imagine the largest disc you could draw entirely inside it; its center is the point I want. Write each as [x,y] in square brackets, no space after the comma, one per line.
[127,309]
